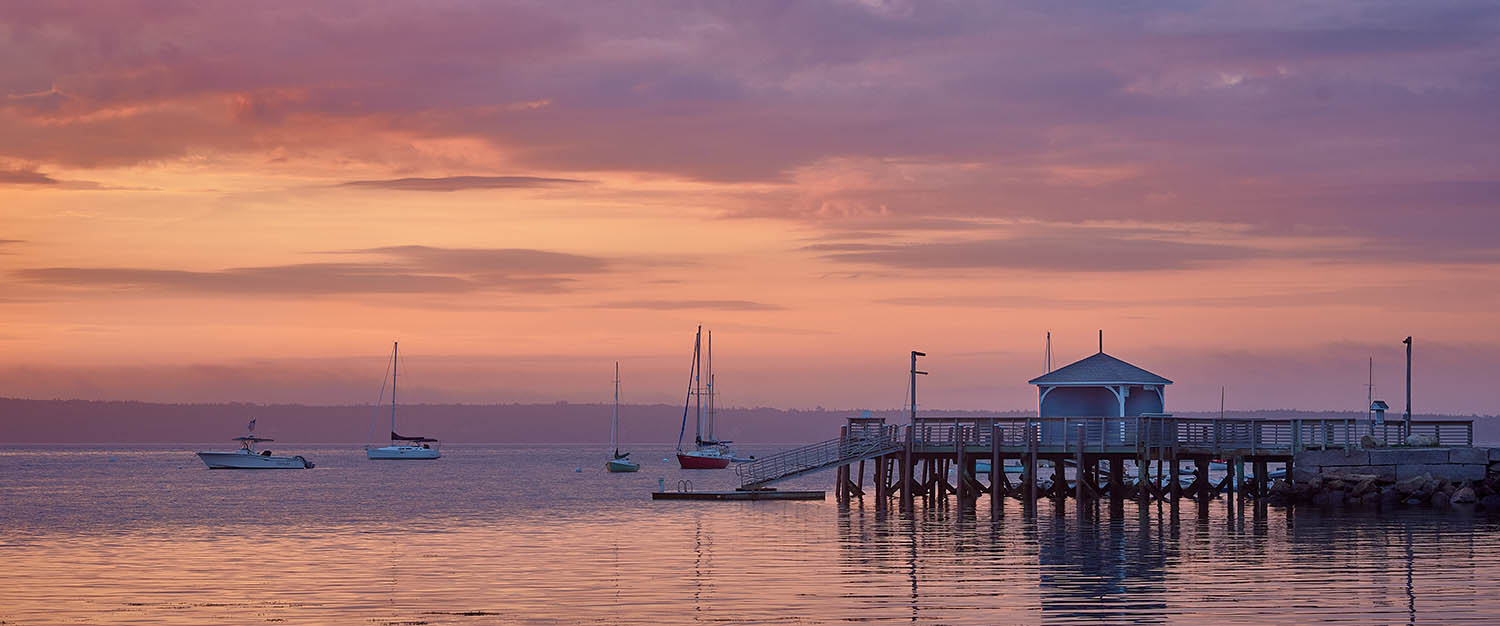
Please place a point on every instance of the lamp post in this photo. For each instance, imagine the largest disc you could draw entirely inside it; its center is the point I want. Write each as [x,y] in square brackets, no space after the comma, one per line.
[914,373]
[911,437]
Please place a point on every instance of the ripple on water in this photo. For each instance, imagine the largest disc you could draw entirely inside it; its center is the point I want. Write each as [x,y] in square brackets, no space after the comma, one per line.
[513,534]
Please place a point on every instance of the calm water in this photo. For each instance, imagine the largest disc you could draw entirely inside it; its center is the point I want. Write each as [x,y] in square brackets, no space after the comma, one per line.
[515,535]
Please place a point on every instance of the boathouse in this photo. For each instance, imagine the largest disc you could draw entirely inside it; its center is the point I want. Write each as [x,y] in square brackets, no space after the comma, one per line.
[1100,386]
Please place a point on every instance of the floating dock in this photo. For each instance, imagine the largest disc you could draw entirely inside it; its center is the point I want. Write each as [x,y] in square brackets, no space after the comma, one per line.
[749,494]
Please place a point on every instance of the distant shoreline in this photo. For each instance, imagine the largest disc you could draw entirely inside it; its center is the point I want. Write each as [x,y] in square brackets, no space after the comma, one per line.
[117,422]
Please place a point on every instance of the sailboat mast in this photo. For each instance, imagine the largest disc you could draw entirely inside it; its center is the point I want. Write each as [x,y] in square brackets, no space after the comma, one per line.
[395,367]
[698,386]
[712,390]
[687,401]
[614,413]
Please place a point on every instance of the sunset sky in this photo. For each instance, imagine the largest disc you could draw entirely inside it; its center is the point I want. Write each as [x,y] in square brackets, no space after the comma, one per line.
[250,201]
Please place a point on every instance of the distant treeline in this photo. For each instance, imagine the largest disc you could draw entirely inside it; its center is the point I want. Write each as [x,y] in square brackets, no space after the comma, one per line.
[86,421]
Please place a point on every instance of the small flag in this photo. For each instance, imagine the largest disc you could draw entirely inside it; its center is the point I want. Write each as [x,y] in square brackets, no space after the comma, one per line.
[252,426]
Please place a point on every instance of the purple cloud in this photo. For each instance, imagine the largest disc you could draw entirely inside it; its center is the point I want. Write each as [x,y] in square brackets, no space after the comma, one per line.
[403,269]
[1233,114]
[26,177]
[673,305]
[1058,254]
[460,183]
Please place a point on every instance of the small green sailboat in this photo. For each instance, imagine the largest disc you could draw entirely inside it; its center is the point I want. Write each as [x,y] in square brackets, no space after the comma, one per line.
[621,461]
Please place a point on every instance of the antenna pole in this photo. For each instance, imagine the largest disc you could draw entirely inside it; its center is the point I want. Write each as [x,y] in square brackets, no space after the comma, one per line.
[1407,341]
[1101,341]
[1370,397]
[1049,352]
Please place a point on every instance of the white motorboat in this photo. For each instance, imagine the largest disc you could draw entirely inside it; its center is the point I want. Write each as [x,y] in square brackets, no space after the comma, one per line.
[248,458]
[402,448]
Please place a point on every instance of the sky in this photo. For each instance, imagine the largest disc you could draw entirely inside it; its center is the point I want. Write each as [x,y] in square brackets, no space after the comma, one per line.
[252,201]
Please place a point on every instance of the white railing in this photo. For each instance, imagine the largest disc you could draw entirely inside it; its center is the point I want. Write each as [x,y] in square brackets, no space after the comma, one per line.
[860,444]
[1253,436]
[1445,432]
[865,440]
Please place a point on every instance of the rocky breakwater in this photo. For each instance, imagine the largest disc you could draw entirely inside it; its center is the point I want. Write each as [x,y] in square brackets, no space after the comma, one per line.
[1437,476]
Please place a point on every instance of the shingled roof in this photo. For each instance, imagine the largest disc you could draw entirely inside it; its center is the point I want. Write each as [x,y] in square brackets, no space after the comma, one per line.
[1100,369]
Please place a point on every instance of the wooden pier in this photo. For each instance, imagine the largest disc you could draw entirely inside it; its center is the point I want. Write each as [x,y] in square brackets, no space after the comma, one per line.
[1106,456]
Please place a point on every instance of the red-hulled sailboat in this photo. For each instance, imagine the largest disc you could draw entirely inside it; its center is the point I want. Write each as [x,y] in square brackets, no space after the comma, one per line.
[707,453]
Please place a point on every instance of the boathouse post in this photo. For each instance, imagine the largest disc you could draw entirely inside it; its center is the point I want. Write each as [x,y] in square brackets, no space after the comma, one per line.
[940,469]
[996,467]
[1032,432]
[1116,478]
[927,486]
[1079,468]
[906,470]
[1142,458]
[961,463]
[881,476]
[1239,478]
[1202,485]
[841,490]
[1232,477]
[934,467]
[1175,486]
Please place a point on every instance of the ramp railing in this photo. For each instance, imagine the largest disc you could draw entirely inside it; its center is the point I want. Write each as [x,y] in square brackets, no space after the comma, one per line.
[858,445]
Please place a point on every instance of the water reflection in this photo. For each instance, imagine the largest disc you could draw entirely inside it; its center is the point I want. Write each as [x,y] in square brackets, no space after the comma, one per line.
[503,538]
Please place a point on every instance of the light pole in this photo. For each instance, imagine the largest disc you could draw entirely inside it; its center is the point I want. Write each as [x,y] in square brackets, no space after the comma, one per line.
[914,373]
[911,434]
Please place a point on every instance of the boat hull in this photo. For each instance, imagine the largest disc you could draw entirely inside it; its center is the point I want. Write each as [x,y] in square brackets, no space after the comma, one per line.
[240,460]
[402,453]
[689,460]
[621,466]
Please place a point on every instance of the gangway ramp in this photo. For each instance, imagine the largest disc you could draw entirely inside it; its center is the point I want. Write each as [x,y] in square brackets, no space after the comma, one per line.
[817,457]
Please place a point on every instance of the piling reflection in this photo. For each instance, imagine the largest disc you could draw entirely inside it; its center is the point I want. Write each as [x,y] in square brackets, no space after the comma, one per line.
[1094,568]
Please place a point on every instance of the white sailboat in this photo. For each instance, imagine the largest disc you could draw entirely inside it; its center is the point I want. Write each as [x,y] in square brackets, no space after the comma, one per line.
[402,447]
[621,461]
[247,458]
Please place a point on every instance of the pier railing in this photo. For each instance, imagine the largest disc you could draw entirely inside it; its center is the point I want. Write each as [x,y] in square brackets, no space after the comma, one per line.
[1444,432]
[865,438]
[1207,435]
